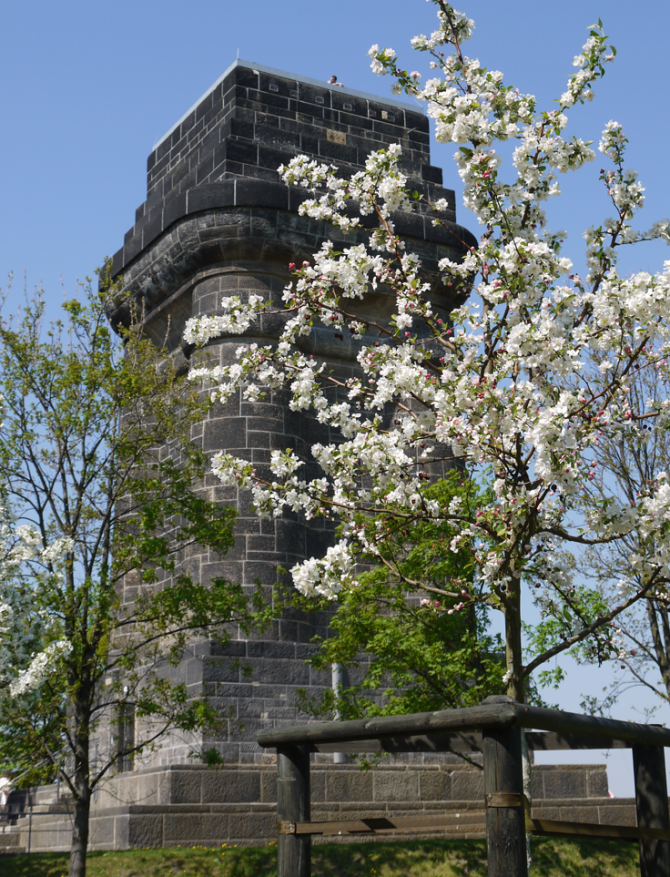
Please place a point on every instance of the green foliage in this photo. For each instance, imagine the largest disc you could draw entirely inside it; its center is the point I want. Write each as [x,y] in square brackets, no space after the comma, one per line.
[581,607]
[96,449]
[401,628]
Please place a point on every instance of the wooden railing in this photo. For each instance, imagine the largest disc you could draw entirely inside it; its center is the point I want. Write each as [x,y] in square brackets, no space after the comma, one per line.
[493,728]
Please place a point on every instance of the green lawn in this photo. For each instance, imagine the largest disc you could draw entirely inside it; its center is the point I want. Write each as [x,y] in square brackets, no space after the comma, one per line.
[435,858]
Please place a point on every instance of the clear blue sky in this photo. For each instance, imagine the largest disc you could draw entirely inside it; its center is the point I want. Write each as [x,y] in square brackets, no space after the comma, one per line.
[89,87]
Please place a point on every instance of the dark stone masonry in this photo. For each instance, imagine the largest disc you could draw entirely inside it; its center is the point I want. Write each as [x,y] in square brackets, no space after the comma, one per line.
[184,805]
[226,150]
[218,221]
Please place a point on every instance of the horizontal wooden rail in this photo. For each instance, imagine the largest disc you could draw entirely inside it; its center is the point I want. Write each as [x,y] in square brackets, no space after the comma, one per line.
[553,828]
[499,715]
[472,820]
[468,821]
[400,731]
[590,726]
[538,741]
[544,741]
[426,732]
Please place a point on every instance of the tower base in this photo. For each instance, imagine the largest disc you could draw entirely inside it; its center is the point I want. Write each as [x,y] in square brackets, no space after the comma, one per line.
[187,805]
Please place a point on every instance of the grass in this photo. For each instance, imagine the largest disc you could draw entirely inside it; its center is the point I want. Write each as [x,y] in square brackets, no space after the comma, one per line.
[434,858]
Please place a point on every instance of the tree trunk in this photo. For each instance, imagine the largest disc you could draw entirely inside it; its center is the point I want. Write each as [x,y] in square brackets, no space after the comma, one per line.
[513,646]
[82,806]
[82,784]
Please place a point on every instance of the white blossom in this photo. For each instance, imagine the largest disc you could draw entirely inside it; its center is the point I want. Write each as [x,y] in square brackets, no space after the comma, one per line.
[39,668]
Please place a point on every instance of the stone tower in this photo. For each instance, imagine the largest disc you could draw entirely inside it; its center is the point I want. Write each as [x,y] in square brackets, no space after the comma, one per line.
[218,221]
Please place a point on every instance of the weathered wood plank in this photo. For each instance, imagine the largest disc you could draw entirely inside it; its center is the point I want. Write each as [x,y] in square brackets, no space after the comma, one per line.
[461,743]
[505,825]
[293,805]
[590,726]
[543,741]
[554,828]
[466,743]
[468,820]
[415,724]
[393,729]
[651,804]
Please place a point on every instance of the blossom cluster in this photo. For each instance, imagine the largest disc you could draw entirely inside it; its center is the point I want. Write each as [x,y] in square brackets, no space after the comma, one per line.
[41,665]
[28,650]
[522,381]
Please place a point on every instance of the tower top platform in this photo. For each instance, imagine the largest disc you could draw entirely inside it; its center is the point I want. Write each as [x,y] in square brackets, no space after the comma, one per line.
[283,74]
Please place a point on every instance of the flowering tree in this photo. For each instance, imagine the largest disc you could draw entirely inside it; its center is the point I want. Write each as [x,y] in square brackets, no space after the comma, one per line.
[23,633]
[633,464]
[26,651]
[102,479]
[523,381]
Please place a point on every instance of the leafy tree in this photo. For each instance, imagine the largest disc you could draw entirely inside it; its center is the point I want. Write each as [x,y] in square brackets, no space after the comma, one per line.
[413,650]
[522,380]
[98,466]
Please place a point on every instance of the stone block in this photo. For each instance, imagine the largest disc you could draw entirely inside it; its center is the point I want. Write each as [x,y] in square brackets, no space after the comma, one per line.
[349,785]
[145,831]
[224,786]
[268,783]
[320,677]
[248,730]
[434,785]
[546,812]
[188,828]
[174,208]
[193,671]
[565,783]
[269,671]
[229,432]
[264,649]
[467,785]
[102,831]
[392,785]
[575,813]
[317,786]
[184,787]
[596,784]
[229,752]
[220,670]
[252,825]
[537,784]
[357,811]
[618,814]
[121,828]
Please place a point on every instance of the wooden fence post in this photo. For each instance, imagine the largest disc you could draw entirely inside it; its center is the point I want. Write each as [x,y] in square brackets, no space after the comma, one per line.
[651,804]
[293,851]
[503,791]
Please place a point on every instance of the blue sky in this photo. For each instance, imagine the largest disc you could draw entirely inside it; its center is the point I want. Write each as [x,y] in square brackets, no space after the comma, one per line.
[89,87]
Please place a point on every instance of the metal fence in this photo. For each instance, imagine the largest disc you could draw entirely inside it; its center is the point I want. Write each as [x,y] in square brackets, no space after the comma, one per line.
[9,812]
